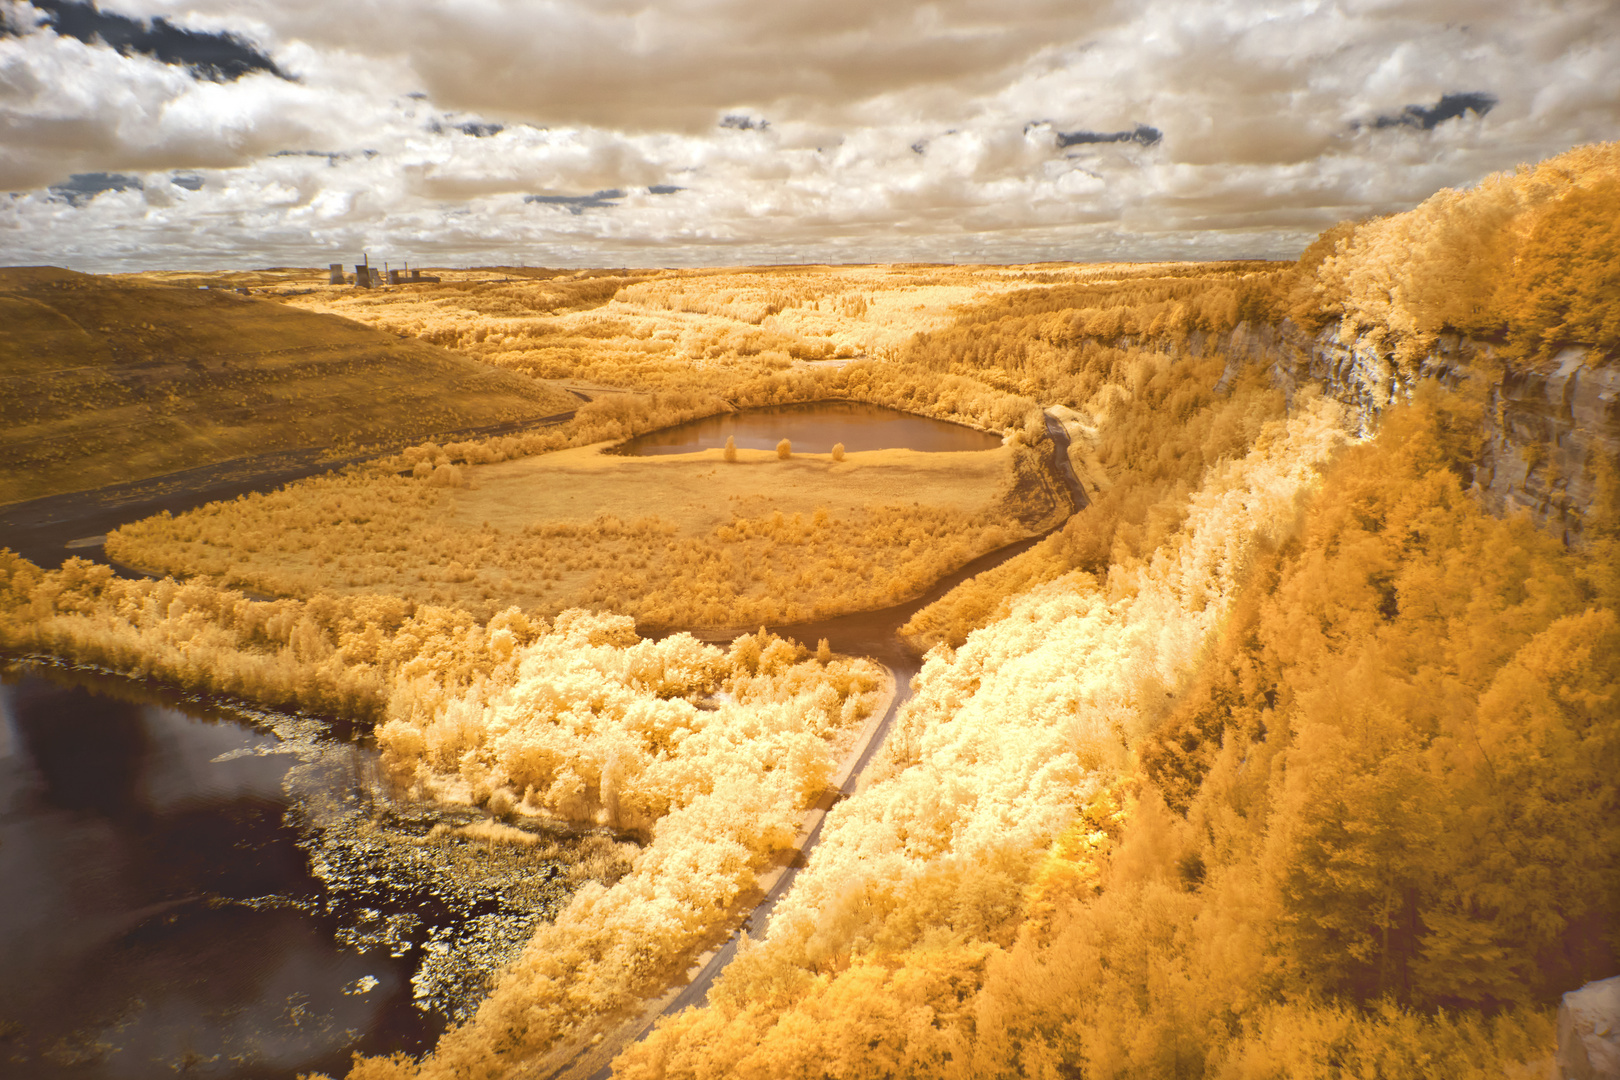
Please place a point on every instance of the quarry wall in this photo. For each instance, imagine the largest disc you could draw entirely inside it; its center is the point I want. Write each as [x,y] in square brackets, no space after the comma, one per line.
[1547,429]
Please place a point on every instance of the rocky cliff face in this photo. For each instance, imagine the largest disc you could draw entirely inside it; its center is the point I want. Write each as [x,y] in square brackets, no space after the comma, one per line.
[1547,431]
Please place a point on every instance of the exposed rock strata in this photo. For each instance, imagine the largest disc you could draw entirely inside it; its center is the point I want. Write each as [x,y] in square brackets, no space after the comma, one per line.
[1589,1032]
[1547,429]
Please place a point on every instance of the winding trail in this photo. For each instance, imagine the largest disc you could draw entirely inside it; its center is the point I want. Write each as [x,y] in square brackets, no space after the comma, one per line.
[874,634]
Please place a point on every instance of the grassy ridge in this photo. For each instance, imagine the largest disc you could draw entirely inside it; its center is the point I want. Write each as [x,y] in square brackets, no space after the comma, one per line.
[103,381]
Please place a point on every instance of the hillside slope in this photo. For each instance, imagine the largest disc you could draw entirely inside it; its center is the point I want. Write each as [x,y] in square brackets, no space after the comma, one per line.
[102,381]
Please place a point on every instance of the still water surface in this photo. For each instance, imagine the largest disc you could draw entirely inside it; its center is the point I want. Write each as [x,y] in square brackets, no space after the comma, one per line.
[157,913]
[813,429]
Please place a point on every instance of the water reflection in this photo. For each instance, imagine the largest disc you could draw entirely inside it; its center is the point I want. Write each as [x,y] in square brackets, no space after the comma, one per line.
[813,429]
[156,910]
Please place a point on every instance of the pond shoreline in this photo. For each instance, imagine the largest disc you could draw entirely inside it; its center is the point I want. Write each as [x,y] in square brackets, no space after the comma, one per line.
[762,426]
[213,896]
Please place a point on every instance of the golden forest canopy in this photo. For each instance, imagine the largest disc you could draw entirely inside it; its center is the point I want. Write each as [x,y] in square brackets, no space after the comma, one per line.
[1375,829]
[1528,260]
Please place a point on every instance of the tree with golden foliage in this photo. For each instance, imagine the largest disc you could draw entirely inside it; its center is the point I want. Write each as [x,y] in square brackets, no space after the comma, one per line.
[1526,260]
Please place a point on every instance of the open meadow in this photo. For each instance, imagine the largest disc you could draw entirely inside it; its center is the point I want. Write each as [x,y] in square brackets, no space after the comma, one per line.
[680,540]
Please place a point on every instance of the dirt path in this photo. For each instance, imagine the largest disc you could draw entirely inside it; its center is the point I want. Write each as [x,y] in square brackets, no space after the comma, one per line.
[594,1059]
[44,531]
[870,633]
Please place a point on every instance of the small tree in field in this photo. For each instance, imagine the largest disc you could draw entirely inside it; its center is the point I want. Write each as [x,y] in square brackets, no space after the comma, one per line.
[838,451]
[784,449]
[731,448]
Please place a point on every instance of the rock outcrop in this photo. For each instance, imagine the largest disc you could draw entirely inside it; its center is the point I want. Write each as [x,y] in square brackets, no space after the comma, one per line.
[1548,431]
[1589,1032]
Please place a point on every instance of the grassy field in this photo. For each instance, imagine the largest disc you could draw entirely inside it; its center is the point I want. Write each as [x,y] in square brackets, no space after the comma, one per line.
[105,380]
[689,539]
[668,329]
[700,492]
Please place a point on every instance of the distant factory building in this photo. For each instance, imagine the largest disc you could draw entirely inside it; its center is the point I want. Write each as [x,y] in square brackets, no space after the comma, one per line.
[367,276]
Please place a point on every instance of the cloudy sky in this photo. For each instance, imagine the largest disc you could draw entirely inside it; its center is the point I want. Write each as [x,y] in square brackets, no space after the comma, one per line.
[139,134]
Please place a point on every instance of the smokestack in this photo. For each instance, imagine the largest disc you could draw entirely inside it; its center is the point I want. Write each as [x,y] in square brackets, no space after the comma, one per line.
[362,276]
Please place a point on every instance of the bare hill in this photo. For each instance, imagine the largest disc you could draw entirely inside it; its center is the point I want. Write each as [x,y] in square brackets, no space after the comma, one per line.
[104,381]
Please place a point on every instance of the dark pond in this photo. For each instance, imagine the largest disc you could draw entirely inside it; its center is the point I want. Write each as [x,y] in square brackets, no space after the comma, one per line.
[157,913]
[813,429]
[189,889]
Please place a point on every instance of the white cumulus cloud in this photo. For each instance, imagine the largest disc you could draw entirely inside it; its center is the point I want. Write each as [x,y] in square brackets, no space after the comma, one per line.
[728,131]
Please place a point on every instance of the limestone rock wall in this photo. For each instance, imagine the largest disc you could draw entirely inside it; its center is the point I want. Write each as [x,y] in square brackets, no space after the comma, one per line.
[1546,430]
[1589,1032]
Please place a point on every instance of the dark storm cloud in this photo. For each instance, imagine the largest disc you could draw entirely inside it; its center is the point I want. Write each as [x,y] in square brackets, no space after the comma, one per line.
[332,157]
[663,189]
[743,123]
[190,182]
[1144,135]
[221,57]
[1449,107]
[578,204]
[80,188]
[480,130]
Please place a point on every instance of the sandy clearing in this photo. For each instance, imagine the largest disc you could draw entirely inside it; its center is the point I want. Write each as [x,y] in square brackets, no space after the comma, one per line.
[701,491]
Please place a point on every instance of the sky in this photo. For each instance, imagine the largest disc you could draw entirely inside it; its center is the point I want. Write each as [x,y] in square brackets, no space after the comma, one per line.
[219,134]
